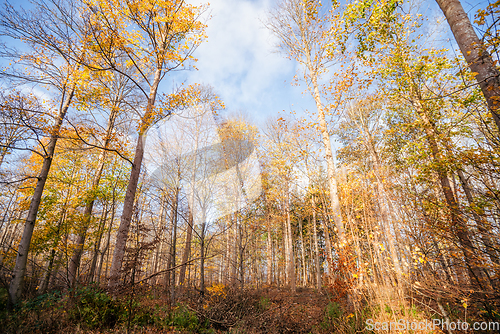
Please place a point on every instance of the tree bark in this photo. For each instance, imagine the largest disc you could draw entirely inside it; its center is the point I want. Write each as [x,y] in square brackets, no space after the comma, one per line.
[290,259]
[87,214]
[459,226]
[330,164]
[128,203]
[302,253]
[15,287]
[316,247]
[187,248]
[475,53]
[482,224]
[97,246]
[173,244]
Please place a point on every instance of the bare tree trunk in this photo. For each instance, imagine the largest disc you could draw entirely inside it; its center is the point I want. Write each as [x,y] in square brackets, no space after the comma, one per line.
[55,271]
[106,247]
[87,214]
[97,245]
[4,219]
[227,260]
[330,164]
[481,224]
[241,254]
[173,244]
[269,249]
[290,265]
[303,256]
[316,248]
[234,254]
[475,53]
[15,287]
[202,255]
[128,207]
[459,226]
[128,203]
[187,248]
[48,271]
[326,232]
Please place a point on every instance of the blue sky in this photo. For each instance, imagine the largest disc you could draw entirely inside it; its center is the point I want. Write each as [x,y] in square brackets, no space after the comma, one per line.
[239,62]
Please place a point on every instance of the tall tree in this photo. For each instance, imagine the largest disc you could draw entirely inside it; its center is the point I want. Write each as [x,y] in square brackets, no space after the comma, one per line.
[56,42]
[154,38]
[476,54]
[114,98]
[303,32]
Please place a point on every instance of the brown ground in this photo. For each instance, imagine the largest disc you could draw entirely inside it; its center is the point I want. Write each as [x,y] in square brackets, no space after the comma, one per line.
[269,311]
[301,312]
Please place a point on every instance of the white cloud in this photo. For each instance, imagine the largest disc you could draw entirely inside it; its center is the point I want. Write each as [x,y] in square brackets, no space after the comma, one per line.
[238,60]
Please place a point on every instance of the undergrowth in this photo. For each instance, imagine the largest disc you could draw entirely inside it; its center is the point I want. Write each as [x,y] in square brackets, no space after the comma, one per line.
[220,310]
[91,308]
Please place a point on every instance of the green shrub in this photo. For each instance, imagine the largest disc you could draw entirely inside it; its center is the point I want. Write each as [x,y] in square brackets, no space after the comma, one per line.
[333,310]
[264,303]
[93,308]
[182,318]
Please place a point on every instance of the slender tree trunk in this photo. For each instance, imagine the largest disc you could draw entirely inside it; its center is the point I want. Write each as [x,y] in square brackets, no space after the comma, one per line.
[330,164]
[161,243]
[269,249]
[4,218]
[383,200]
[303,256]
[173,244]
[53,276]
[128,208]
[87,214]
[227,264]
[187,248]
[202,255]
[234,253]
[46,279]
[128,204]
[48,271]
[316,247]
[458,224]
[97,245]
[474,51]
[481,224]
[290,265]
[15,287]
[241,254]
[326,234]
[108,238]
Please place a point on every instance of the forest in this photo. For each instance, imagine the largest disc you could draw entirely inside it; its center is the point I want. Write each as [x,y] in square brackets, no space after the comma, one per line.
[134,202]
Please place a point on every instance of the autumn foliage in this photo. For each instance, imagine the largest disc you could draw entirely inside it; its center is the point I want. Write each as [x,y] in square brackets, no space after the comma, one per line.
[133,200]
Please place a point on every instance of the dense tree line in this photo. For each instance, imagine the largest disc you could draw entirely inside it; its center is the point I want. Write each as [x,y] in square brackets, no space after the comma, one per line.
[404,211]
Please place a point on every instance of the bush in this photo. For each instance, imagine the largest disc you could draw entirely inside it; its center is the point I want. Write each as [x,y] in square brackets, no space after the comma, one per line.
[182,318]
[93,308]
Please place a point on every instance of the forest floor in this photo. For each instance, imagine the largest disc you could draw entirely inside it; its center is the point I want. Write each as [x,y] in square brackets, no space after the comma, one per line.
[220,310]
